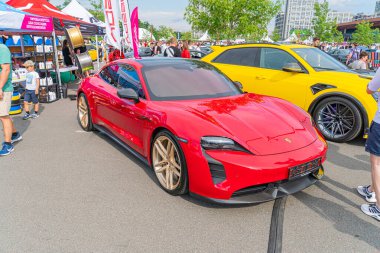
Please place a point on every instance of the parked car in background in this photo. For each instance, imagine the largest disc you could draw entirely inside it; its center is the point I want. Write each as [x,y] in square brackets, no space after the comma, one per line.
[333,94]
[143,52]
[340,54]
[91,49]
[205,49]
[195,54]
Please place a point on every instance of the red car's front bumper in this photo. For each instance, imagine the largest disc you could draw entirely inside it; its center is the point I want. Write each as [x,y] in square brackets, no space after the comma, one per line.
[241,178]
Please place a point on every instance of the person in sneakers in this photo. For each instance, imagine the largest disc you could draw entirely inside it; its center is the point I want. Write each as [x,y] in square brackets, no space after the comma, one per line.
[31,90]
[6,89]
[372,192]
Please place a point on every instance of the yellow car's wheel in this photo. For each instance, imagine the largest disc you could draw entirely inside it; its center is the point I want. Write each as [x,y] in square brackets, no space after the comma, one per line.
[338,119]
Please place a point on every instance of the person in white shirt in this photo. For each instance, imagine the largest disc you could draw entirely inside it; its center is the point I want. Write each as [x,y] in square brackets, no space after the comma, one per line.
[371,193]
[31,90]
[164,46]
[361,63]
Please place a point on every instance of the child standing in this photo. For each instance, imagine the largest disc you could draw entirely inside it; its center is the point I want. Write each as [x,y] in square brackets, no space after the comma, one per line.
[31,90]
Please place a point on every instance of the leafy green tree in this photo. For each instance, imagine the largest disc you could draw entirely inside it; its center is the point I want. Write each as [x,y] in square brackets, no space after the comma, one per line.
[322,27]
[229,19]
[302,34]
[148,26]
[364,34]
[187,36]
[276,36]
[325,29]
[377,36]
[97,9]
[63,5]
[337,36]
[164,32]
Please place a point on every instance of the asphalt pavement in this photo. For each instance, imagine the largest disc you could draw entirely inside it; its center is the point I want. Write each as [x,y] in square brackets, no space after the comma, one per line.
[65,190]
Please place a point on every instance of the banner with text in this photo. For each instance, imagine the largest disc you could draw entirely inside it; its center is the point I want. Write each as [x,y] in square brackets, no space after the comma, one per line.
[126,22]
[112,18]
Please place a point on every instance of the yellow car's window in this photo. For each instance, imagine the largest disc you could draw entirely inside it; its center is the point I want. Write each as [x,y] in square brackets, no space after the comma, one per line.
[272,58]
[247,56]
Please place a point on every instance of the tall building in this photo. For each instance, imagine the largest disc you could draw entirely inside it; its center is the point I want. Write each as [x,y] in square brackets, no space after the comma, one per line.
[377,9]
[298,15]
[340,17]
[279,22]
[361,16]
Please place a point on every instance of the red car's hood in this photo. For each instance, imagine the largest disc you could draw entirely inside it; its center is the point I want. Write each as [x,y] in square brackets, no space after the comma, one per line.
[263,125]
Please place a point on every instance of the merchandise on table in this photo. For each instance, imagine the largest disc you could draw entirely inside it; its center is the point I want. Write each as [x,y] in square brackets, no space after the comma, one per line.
[16,103]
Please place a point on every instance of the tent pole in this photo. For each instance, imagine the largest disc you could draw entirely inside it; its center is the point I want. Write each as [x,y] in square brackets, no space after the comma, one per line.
[58,75]
[97,51]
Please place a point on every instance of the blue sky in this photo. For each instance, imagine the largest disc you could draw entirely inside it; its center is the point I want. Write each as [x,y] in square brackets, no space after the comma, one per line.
[170,12]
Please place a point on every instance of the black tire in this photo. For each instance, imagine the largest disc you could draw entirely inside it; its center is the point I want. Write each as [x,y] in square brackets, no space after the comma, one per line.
[183,184]
[89,126]
[338,119]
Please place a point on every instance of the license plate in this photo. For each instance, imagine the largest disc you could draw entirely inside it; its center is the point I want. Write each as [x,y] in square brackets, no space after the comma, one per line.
[304,169]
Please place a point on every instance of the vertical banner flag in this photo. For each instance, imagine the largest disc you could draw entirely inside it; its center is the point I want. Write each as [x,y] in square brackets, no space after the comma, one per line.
[112,17]
[135,32]
[126,21]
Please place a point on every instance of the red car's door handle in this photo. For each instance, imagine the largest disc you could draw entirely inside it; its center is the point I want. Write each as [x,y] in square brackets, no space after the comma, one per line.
[142,117]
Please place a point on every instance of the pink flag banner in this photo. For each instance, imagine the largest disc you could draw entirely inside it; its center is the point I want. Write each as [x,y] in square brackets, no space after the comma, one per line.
[135,32]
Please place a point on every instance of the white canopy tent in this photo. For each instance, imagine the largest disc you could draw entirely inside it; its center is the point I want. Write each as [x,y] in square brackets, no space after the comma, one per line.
[75,9]
[239,41]
[205,37]
[144,34]
[267,39]
[293,38]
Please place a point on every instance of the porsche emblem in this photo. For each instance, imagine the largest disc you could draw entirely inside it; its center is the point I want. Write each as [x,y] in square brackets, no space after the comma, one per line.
[288,140]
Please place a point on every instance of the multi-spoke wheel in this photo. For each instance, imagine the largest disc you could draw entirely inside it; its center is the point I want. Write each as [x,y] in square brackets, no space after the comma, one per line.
[169,163]
[84,115]
[338,119]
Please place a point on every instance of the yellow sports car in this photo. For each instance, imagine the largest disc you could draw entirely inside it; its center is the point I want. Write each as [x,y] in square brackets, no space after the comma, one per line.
[91,49]
[334,95]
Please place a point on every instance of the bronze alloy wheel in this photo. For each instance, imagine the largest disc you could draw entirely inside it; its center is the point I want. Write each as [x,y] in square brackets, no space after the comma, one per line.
[167,163]
[83,112]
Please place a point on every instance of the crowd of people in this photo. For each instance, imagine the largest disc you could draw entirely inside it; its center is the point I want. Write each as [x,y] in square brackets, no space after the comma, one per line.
[357,57]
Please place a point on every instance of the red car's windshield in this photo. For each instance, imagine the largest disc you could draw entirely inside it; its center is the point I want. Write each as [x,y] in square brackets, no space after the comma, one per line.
[185,80]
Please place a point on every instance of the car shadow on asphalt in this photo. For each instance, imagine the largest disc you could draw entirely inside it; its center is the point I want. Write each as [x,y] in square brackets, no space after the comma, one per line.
[345,161]
[148,170]
[359,141]
[342,219]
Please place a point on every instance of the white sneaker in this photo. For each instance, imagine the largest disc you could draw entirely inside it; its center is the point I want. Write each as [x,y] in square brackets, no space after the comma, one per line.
[371,198]
[364,191]
[371,210]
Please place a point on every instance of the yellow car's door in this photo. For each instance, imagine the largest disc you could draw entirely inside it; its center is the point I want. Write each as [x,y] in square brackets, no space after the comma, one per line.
[271,79]
[239,65]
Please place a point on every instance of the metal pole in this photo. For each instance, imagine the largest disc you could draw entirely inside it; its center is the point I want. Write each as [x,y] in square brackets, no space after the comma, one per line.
[97,51]
[58,75]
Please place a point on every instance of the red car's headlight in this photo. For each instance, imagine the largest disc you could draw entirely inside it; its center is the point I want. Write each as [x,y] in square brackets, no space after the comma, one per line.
[221,143]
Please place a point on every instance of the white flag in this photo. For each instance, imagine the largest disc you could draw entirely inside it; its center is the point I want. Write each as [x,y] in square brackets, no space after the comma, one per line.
[126,21]
[112,18]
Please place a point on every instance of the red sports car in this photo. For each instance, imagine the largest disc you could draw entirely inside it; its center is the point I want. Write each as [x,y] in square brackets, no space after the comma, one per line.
[200,133]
